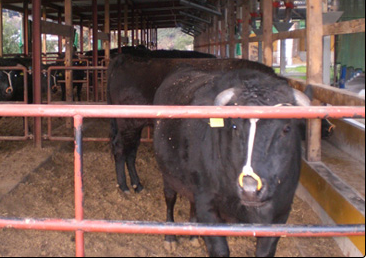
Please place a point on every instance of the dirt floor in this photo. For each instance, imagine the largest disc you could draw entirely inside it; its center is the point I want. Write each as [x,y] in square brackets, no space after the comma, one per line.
[39,184]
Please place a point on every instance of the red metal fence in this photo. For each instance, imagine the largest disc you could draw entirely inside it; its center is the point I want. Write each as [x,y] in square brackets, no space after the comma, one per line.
[79,225]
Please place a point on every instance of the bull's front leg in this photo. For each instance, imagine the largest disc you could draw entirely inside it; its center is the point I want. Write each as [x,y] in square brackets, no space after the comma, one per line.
[120,160]
[206,213]
[170,243]
[131,154]
[266,246]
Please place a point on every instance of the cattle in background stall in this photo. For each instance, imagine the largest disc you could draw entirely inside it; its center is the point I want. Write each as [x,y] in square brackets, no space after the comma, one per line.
[59,75]
[12,81]
[243,171]
[133,80]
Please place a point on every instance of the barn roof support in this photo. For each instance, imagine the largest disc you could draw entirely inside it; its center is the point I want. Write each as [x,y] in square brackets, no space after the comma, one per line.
[95,49]
[314,28]
[36,52]
[1,28]
[200,7]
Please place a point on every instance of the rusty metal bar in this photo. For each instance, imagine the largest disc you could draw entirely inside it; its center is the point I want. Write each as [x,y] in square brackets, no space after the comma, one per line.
[116,111]
[157,228]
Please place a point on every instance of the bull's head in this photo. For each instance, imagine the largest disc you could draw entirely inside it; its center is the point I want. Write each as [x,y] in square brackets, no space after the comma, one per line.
[266,153]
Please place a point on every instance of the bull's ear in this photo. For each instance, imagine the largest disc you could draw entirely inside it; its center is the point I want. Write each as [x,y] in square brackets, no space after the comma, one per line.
[225,97]
[301,98]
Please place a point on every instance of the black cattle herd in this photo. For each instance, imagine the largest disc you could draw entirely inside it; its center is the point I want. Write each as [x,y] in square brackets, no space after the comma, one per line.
[231,170]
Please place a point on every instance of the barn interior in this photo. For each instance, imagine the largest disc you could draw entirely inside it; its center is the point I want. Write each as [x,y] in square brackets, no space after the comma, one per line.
[332,184]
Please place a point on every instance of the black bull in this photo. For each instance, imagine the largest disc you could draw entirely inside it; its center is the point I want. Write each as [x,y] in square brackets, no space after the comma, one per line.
[133,81]
[206,164]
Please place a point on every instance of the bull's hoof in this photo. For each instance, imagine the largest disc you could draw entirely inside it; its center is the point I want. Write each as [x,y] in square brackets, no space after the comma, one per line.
[124,189]
[138,188]
[195,242]
[170,247]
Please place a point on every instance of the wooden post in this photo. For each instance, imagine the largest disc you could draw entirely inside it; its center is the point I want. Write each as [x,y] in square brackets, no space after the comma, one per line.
[107,43]
[60,37]
[246,30]
[231,27]
[36,67]
[25,28]
[314,31]
[223,34]
[89,36]
[133,26]
[44,38]
[95,49]
[1,28]
[81,36]
[68,58]
[126,22]
[137,28]
[119,25]
[267,32]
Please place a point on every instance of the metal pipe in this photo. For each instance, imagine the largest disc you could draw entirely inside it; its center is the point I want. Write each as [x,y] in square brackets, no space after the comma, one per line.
[78,177]
[189,229]
[200,7]
[170,112]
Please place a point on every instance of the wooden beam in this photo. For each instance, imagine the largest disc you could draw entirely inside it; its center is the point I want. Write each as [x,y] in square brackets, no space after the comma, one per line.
[246,30]
[126,22]
[107,29]
[347,27]
[68,57]
[1,29]
[57,29]
[267,33]
[330,95]
[314,31]
[44,38]
[231,25]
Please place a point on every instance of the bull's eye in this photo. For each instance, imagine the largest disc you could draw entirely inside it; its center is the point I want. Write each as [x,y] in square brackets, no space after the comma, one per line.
[287,129]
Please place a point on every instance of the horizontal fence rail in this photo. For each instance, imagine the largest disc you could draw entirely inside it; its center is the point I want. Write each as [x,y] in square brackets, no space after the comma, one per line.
[188,229]
[262,112]
[80,225]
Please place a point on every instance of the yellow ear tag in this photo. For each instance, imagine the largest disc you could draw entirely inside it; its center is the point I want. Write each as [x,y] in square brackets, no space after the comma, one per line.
[21,74]
[60,74]
[216,122]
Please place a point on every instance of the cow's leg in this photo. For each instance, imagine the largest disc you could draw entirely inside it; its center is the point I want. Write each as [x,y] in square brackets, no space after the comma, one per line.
[120,160]
[131,154]
[193,219]
[78,88]
[266,246]
[216,246]
[119,155]
[170,243]
[63,92]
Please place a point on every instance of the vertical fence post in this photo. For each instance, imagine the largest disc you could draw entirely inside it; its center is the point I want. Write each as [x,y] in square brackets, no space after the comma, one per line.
[78,175]
[267,33]
[314,32]
[246,30]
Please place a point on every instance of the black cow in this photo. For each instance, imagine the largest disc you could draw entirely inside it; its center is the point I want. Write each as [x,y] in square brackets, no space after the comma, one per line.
[12,81]
[207,164]
[59,75]
[133,80]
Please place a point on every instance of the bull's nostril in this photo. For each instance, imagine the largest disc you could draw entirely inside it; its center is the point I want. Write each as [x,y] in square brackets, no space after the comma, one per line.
[250,185]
